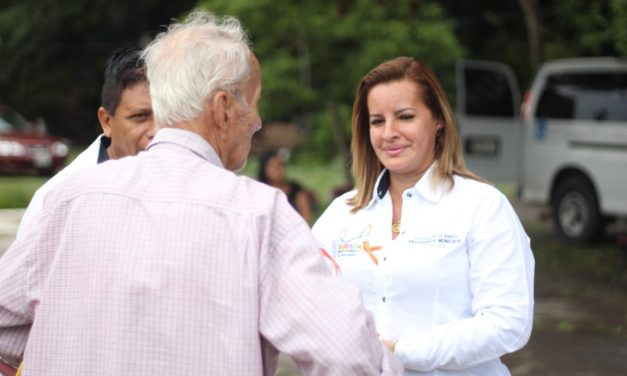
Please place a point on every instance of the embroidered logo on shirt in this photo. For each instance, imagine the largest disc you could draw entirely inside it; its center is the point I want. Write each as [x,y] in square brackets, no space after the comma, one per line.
[352,246]
[438,240]
[348,248]
[364,232]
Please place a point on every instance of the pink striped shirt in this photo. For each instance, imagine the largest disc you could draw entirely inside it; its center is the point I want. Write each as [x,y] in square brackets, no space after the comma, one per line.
[166,263]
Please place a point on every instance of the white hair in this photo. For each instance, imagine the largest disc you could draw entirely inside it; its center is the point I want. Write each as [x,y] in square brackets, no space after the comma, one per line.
[192,60]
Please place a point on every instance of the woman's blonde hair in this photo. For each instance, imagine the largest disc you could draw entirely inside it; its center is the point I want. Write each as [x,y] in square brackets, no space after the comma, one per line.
[448,151]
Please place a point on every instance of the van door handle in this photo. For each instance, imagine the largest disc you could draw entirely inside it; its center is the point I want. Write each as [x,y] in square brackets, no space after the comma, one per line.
[482,145]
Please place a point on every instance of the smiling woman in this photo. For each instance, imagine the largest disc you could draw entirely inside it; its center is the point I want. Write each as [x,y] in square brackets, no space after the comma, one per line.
[440,256]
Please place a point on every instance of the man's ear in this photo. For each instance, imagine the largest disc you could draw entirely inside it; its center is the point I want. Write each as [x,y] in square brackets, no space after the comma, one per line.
[105,121]
[221,109]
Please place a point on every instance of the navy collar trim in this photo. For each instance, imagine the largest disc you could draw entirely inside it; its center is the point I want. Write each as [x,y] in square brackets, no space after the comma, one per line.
[384,184]
[102,151]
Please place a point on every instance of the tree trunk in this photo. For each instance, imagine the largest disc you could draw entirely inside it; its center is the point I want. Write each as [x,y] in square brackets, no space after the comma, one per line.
[534,32]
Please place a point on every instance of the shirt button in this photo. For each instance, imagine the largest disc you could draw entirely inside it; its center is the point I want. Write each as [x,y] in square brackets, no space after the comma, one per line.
[383,299]
[385,258]
[409,194]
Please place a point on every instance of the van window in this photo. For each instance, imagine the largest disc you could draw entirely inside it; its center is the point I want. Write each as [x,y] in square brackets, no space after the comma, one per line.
[589,96]
[488,93]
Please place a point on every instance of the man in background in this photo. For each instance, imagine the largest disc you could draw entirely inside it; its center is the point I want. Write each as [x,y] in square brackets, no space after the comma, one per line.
[169,263]
[125,116]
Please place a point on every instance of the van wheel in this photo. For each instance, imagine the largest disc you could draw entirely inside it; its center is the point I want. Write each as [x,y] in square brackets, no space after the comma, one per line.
[576,211]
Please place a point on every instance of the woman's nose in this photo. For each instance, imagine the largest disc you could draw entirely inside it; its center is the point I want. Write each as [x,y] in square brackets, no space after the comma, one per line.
[389,129]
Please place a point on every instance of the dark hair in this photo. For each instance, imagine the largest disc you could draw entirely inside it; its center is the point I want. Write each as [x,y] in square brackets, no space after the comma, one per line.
[124,69]
[263,161]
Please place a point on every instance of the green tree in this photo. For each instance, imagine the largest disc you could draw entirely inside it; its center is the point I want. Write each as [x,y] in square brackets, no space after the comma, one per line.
[313,54]
[619,26]
[52,54]
[574,28]
[525,33]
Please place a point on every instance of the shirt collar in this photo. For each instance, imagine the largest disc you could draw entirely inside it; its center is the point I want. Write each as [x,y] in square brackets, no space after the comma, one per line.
[427,186]
[188,140]
[102,150]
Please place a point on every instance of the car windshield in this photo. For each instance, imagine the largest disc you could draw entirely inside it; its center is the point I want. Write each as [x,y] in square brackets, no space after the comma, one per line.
[12,121]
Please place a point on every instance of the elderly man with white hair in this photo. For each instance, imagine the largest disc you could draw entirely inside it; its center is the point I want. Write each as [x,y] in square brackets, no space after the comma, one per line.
[169,263]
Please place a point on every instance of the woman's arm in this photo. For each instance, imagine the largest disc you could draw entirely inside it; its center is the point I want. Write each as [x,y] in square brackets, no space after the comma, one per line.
[501,272]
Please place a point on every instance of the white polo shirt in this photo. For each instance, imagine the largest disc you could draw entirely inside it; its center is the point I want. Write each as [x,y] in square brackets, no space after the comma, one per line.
[455,288]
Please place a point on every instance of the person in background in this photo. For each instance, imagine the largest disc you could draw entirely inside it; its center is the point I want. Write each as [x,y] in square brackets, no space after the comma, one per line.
[272,172]
[167,262]
[441,257]
[125,115]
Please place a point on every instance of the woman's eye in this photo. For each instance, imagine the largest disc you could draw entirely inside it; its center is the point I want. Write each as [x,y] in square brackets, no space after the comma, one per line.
[407,116]
[375,122]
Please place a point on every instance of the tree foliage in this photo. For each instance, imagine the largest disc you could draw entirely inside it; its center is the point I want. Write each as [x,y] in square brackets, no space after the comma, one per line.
[580,28]
[495,30]
[313,53]
[52,54]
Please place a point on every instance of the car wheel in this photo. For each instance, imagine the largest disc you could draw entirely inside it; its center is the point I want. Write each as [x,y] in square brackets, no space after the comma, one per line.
[576,212]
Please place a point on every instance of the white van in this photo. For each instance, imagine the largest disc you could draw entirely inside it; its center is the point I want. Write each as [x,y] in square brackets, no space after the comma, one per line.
[568,148]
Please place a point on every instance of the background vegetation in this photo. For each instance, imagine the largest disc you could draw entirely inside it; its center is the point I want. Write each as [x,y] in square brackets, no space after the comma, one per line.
[313,52]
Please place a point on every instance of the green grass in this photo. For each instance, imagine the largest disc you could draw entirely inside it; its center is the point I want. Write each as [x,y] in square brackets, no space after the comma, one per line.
[16,191]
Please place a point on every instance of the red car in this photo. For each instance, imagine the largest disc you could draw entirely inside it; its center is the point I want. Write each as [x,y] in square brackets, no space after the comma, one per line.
[25,147]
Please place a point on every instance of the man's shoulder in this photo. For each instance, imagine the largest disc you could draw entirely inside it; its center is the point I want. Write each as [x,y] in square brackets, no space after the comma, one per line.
[87,158]
[249,189]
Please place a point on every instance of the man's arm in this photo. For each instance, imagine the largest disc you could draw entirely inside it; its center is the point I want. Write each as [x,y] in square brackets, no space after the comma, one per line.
[308,314]
[15,318]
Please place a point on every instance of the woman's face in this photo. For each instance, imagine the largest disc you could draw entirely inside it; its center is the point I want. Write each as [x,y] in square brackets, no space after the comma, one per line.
[402,128]
[275,170]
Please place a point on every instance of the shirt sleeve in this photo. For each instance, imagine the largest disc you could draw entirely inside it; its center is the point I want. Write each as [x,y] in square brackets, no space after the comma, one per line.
[306,313]
[323,231]
[24,267]
[15,315]
[501,283]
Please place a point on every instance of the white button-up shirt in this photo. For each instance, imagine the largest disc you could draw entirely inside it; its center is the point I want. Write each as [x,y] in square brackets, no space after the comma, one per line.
[455,288]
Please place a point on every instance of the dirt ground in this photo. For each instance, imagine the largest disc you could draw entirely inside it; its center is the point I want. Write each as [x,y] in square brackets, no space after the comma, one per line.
[580,325]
